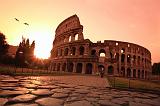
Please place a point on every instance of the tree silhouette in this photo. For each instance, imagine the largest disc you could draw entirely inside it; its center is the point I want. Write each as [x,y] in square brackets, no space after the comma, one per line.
[3,47]
[25,53]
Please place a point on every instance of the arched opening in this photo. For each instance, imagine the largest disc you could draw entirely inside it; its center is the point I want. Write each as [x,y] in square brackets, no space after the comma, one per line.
[60,52]
[123,71]
[138,60]
[134,59]
[129,58]
[139,73]
[76,37]
[134,73]
[110,70]
[70,67]
[128,72]
[69,38]
[117,56]
[102,53]
[73,52]
[93,52]
[101,68]
[81,50]
[54,66]
[89,68]
[79,68]
[58,67]
[122,50]
[64,67]
[122,58]
[66,52]
[143,74]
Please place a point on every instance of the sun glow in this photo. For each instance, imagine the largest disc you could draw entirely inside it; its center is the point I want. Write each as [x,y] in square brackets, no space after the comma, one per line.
[43,43]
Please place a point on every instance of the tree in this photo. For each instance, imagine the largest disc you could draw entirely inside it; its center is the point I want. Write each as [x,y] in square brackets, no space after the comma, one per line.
[156,68]
[3,47]
[25,53]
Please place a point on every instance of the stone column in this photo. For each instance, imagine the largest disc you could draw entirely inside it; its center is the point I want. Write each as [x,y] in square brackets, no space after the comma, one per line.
[83,68]
[72,37]
[74,67]
[94,69]
[131,72]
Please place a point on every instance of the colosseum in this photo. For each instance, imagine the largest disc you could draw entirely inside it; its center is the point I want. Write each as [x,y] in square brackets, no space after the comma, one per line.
[72,53]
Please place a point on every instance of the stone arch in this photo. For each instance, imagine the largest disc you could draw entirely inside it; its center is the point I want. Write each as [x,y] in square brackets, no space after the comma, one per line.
[101,68]
[102,53]
[70,67]
[134,59]
[88,68]
[79,68]
[123,71]
[138,61]
[76,37]
[66,51]
[73,51]
[117,56]
[64,67]
[129,58]
[128,72]
[54,66]
[122,50]
[139,74]
[143,74]
[134,73]
[122,58]
[70,37]
[110,70]
[93,52]
[58,66]
[81,50]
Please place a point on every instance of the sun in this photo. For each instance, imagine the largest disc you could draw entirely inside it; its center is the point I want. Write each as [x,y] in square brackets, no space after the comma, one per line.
[43,43]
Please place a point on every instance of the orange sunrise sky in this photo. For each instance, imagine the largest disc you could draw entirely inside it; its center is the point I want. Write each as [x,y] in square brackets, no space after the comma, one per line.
[135,21]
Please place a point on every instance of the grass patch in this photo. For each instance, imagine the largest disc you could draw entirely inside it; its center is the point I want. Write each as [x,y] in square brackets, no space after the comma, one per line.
[133,83]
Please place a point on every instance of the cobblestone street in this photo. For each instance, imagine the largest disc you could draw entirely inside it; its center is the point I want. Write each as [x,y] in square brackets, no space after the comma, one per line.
[68,91]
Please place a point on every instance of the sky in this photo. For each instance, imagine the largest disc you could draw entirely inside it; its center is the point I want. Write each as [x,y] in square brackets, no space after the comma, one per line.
[135,21]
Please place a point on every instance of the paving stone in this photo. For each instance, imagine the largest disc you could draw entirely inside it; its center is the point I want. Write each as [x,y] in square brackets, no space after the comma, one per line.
[10,80]
[82,91]
[119,101]
[66,85]
[91,99]
[41,92]
[23,98]
[59,95]
[50,102]
[60,91]
[47,87]
[3,101]
[9,85]
[105,97]
[107,103]
[79,103]
[6,93]
[72,99]
[137,104]
[8,88]
[24,104]
[94,95]
[30,86]
[74,94]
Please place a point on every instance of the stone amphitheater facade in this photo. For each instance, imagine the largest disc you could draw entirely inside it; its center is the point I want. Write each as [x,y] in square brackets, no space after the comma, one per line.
[72,53]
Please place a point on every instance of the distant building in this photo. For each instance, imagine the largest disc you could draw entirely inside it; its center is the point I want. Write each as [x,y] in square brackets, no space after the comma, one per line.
[72,53]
